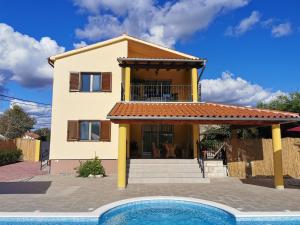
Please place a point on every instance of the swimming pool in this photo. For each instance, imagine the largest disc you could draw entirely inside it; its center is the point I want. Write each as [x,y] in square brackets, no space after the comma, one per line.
[159,210]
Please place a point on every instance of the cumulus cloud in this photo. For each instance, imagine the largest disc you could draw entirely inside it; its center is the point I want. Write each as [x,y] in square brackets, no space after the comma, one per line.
[24,59]
[282,29]
[163,24]
[79,44]
[245,25]
[235,90]
[41,113]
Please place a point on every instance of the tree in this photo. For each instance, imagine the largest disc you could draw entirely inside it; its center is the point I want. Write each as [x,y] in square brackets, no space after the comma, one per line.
[44,133]
[15,122]
[289,103]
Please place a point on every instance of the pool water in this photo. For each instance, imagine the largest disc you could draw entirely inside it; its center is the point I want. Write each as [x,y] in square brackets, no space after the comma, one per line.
[166,212]
[157,212]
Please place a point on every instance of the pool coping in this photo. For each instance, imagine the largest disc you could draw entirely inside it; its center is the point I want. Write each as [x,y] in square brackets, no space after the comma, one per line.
[101,210]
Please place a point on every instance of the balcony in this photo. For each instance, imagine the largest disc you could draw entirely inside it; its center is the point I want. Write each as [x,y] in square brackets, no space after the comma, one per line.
[160,93]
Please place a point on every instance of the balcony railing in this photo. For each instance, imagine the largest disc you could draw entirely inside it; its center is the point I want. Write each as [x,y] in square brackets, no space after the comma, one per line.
[160,93]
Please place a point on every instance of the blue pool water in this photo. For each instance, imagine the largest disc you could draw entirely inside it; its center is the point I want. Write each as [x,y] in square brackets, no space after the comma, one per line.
[157,212]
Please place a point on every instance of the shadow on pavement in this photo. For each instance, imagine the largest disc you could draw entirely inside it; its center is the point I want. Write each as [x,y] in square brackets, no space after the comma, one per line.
[34,187]
[289,183]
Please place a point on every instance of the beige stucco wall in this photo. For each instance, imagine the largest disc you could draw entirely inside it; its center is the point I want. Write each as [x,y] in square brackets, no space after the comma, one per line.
[85,106]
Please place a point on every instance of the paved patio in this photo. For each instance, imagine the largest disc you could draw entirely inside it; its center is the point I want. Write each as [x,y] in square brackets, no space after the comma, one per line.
[20,170]
[70,194]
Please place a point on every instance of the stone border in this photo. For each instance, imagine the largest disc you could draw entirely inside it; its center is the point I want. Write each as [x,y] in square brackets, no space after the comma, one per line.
[103,209]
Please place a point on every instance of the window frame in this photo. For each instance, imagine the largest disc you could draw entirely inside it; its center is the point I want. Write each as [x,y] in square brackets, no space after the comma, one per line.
[91,83]
[90,131]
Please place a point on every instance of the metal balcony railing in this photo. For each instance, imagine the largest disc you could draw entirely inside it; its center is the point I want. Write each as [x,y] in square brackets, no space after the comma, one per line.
[160,93]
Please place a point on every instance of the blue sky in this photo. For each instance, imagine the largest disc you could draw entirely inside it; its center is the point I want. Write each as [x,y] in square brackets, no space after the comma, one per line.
[252,47]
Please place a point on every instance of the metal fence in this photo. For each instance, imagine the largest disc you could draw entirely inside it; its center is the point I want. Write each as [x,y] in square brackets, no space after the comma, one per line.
[160,93]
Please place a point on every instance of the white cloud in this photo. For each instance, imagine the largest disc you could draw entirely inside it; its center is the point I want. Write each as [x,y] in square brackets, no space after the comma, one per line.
[231,90]
[79,44]
[282,29]
[245,25]
[41,113]
[163,24]
[24,59]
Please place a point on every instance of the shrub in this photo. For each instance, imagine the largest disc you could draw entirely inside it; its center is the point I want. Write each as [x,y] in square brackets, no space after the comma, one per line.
[93,167]
[8,157]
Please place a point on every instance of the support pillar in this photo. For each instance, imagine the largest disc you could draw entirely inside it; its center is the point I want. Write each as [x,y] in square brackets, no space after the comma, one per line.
[277,157]
[128,142]
[123,129]
[194,83]
[127,83]
[195,140]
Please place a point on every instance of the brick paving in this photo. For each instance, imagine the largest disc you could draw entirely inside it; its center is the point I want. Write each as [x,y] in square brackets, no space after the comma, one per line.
[71,194]
[20,170]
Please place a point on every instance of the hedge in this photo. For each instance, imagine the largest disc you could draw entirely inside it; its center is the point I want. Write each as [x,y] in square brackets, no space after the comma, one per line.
[8,157]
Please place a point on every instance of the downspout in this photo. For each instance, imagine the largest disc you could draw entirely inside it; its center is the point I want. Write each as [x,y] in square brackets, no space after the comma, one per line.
[199,78]
[51,63]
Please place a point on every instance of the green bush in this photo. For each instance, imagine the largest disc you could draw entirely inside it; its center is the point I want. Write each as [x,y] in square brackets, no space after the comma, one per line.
[8,157]
[93,167]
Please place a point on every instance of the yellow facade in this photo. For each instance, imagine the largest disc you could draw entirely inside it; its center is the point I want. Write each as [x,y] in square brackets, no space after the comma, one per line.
[277,157]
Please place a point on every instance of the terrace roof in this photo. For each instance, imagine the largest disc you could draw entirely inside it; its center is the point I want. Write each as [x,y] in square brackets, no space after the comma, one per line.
[161,63]
[199,112]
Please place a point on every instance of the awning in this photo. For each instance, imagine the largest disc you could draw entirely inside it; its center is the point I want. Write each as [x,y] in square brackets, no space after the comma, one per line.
[161,63]
[201,113]
[294,129]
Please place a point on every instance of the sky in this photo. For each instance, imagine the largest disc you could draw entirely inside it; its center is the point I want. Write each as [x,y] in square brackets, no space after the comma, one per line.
[252,46]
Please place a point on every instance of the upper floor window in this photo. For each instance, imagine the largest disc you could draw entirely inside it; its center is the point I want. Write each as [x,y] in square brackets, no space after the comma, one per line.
[90,82]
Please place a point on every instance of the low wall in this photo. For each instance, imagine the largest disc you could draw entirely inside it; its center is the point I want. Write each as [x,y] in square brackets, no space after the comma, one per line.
[254,157]
[68,166]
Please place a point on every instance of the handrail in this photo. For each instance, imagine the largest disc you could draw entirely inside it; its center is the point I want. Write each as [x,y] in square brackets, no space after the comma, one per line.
[200,159]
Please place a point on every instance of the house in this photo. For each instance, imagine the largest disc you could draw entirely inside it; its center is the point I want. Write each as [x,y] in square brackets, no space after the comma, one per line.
[126,98]
[31,136]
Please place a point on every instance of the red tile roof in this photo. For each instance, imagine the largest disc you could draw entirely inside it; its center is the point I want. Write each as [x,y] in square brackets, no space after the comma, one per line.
[195,111]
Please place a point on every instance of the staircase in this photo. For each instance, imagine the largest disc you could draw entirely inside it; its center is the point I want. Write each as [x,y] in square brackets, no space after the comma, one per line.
[165,171]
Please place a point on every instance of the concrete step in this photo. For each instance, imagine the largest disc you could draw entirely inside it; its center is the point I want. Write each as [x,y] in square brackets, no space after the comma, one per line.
[197,174]
[163,161]
[170,180]
[165,170]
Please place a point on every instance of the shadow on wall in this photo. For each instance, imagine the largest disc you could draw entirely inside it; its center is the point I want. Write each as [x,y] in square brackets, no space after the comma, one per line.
[254,158]
[35,187]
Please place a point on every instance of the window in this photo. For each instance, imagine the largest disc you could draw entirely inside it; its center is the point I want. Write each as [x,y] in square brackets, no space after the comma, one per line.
[89,130]
[91,82]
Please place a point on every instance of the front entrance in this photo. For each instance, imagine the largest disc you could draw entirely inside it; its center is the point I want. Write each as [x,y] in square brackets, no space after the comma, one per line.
[154,136]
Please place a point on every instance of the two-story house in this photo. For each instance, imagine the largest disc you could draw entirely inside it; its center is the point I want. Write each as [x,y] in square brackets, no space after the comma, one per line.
[126,98]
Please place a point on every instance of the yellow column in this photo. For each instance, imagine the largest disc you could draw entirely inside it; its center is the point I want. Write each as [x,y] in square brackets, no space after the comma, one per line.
[127,84]
[195,139]
[128,142]
[37,150]
[194,77]
[277,157]
[122,156]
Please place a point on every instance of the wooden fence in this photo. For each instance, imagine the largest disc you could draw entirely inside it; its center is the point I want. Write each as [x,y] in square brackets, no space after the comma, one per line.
[254,157]
[29,148]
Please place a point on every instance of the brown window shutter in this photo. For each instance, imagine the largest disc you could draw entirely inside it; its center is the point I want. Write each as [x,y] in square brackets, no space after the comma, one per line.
[74,81]
[106,81]
[105,129]
[73,130]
